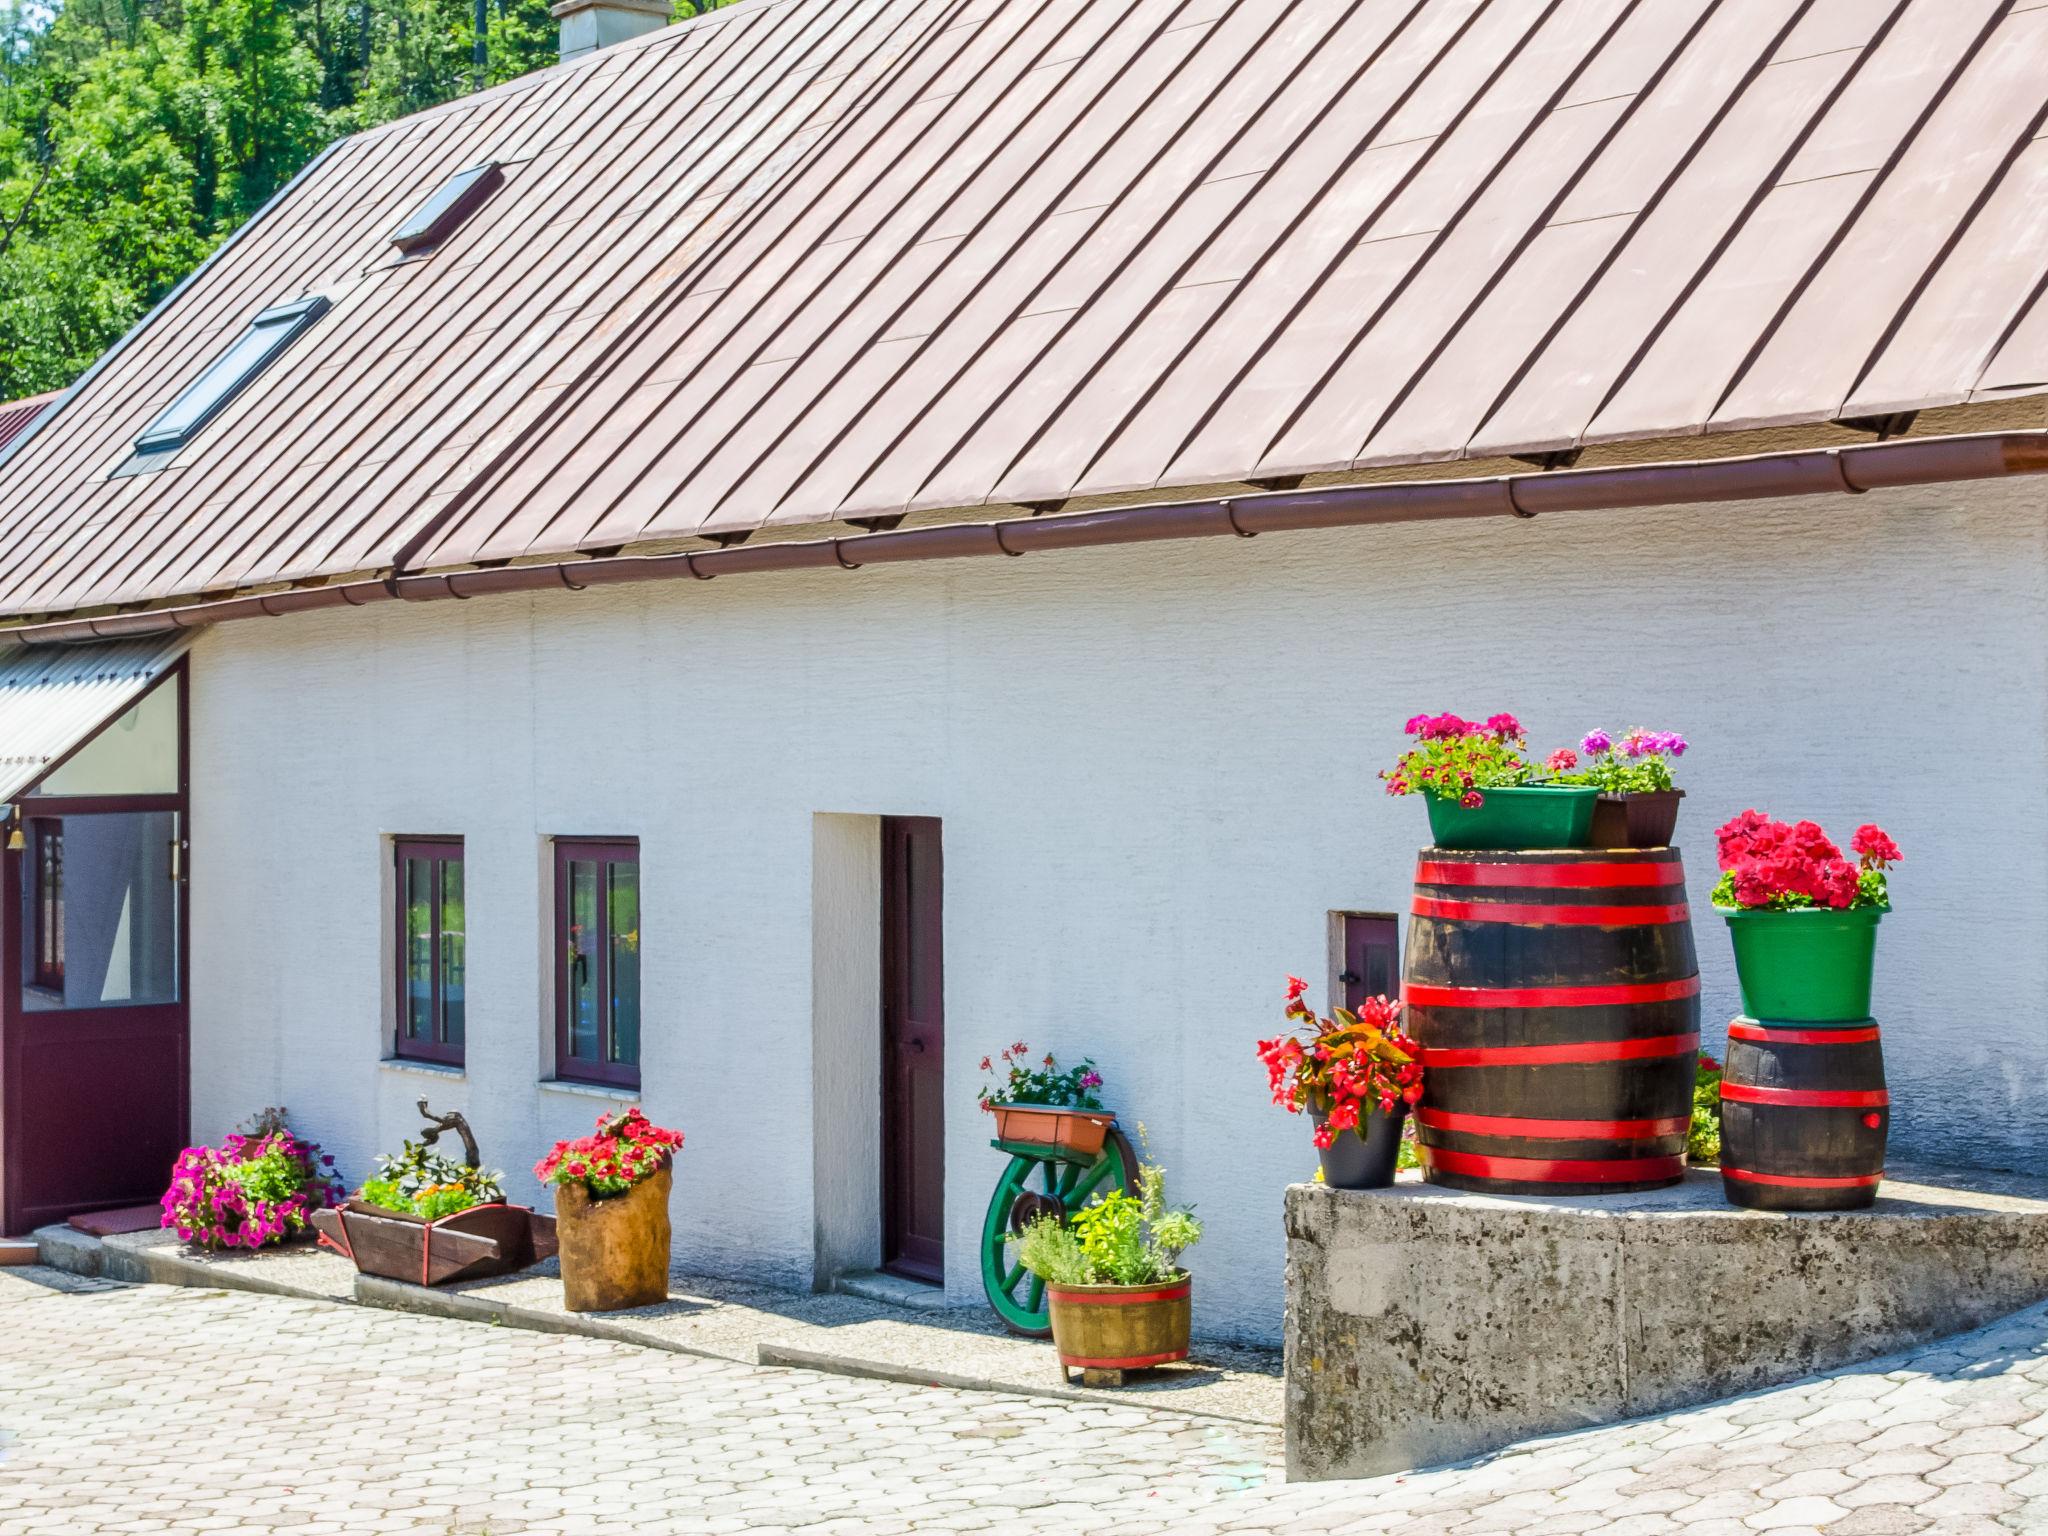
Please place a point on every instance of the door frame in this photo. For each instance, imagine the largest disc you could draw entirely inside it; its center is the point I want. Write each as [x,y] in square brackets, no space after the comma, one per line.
[915,1256]
[18,1213]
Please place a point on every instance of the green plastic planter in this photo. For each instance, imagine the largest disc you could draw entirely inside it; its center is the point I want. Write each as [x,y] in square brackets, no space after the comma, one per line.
[1515,818]
[1808,965]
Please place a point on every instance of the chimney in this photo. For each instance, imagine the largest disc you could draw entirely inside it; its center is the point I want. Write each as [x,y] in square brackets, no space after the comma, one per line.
[588,25]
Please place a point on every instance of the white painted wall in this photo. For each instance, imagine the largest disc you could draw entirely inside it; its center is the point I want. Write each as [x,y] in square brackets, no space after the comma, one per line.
[1156,769]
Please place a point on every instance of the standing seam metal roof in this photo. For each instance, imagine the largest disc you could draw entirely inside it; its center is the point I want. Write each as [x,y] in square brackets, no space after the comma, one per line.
[806,260]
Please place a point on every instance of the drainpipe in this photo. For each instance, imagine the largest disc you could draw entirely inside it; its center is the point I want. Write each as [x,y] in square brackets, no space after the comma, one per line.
[1817,472]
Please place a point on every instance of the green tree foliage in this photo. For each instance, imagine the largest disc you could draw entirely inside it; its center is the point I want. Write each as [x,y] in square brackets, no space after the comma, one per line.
[135,135]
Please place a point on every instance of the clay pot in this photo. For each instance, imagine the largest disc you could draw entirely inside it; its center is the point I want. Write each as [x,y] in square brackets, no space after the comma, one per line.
[615,1250]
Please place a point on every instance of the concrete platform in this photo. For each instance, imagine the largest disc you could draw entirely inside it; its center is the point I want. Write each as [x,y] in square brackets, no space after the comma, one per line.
[1425,1325]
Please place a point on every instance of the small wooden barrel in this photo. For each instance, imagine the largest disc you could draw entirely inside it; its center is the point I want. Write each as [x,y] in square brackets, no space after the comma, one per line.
[1804,1116]
[1122,1327]
[1555,996]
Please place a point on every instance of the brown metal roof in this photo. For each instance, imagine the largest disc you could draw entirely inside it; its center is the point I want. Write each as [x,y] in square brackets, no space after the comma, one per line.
[17,415]
[807,260]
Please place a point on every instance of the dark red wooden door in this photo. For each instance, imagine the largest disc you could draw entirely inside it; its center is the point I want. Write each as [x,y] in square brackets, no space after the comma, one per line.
[913,1049]
[1372,958]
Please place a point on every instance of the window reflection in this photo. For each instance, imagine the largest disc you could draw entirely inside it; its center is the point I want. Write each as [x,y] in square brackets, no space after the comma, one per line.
[100,911]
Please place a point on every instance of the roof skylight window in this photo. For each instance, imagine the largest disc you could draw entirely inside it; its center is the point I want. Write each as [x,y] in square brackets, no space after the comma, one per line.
[229,374]
[443,213]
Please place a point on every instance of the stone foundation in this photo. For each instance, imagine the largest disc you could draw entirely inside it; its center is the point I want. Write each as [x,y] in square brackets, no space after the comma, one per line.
[1426,1326]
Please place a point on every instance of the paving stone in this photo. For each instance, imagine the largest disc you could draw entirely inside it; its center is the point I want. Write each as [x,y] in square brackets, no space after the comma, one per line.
[520,1434]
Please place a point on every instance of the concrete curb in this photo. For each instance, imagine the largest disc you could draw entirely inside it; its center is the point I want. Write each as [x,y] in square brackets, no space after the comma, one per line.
[144,1259]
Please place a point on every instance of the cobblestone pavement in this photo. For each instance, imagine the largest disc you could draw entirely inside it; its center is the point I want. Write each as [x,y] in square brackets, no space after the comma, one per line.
[152,1409]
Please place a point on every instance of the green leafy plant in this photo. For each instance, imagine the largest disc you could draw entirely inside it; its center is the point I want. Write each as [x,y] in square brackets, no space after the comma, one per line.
[1703,1141]
[1017,1081]
[421,1182]
[1117,1239]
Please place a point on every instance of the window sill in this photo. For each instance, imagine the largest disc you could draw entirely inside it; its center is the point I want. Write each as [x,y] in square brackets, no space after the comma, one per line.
[440,1069]
[611,1092]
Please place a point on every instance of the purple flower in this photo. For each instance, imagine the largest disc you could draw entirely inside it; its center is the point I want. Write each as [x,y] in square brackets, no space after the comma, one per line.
[1596,742]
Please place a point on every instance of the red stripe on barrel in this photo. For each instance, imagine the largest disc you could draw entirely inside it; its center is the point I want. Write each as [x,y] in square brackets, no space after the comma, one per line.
[1563,1053]
[1550,876]
[1543,1170]
[1075,1298]
[1552,1130]
[1424,995]
[1806,1098]
[1757,1034]
[1516,912]
[1802,1181]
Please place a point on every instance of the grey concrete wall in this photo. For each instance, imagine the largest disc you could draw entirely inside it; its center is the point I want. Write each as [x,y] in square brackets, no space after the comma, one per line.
[1426,1326]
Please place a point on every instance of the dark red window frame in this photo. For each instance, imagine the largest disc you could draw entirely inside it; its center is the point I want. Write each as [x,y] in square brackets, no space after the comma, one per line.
[439,853]
[47,844]
[574,962]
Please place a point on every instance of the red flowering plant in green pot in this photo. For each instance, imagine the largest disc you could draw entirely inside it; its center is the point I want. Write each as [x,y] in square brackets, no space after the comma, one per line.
[1483,791]
[1356,1074]
[611,1212]
[1803,918]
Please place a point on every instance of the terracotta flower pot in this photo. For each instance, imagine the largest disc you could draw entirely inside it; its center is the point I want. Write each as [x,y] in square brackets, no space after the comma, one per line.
[615,1250]
[1645,818]
[1121,1327]
[1079,1131]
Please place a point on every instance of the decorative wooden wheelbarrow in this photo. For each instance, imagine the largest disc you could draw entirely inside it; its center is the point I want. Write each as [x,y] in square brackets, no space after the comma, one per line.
[475,1244]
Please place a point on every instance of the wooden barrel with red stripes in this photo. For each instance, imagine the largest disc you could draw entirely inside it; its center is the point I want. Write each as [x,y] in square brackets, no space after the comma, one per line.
[1555,996]
[1804,1116]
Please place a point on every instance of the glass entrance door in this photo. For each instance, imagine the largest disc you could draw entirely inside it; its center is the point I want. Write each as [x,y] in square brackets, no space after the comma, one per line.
[93,1077]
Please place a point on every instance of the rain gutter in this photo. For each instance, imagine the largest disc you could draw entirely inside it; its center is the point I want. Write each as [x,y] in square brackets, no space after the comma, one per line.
[1846,471]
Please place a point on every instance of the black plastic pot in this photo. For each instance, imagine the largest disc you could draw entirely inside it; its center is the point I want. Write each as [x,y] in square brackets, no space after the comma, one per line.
[1355,1161]
[1640,818]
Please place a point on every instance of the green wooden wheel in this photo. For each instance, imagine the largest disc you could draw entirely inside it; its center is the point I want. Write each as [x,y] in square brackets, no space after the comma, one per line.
[1040,1184]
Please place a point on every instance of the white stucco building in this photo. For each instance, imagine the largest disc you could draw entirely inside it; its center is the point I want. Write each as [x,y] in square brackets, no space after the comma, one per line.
[1365,281]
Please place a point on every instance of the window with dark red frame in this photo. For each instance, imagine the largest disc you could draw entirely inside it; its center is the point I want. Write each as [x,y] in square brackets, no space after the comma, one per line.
[597,965]
[432,960]
[49,902]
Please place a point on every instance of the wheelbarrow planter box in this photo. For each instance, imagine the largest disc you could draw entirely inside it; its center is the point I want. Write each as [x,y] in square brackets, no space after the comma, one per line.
[1080,1132]
[1105,1330]
[475,1244]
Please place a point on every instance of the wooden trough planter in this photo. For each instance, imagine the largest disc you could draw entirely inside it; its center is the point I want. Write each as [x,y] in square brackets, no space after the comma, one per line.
[475,1244]
[1106,1330]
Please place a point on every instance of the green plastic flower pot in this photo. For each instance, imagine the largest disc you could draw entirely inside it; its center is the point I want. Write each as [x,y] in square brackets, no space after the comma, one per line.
[1808,965]
[1511,819]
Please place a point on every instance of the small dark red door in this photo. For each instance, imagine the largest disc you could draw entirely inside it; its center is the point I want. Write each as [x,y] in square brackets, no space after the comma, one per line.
[913,1049]
[1372,958]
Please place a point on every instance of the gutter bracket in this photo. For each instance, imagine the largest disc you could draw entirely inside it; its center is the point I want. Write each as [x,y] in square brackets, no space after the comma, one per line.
[997,530]
[1849,487]
[839,554]
[1230,513]
[1514,505]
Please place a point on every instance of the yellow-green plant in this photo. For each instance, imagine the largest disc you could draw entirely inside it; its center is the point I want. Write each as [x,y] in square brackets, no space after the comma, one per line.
[1117,1239]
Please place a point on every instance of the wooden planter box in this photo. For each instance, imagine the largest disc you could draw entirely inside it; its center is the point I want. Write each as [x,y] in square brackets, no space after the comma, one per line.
[475,1244]
[1080,1132]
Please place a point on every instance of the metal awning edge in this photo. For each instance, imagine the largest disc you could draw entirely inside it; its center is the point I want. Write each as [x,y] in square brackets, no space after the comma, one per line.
[54,698]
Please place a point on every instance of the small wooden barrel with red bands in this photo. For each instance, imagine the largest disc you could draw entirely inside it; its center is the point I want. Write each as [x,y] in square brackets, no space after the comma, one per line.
[1804,1116]
[1555,996]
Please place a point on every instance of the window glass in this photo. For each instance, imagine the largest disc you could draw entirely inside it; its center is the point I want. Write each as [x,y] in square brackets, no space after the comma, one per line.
[419,948]
[624,934]
[452,957]
[136,754]
[583,952]
[100,912]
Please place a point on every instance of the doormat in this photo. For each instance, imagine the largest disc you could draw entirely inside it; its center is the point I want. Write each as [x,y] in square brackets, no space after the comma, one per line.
[134,1218]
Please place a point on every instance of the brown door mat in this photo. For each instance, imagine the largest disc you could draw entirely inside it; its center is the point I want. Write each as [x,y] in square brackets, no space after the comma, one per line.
[133,1218]
[17,1251]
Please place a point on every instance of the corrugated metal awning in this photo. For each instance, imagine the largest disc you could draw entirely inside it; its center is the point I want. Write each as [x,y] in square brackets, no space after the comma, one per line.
[52,699]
